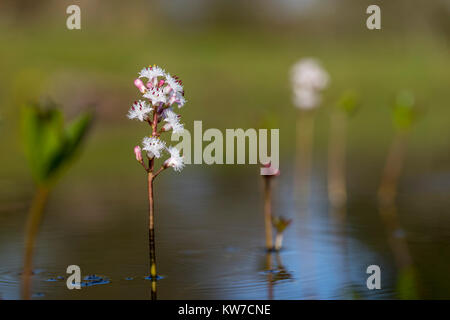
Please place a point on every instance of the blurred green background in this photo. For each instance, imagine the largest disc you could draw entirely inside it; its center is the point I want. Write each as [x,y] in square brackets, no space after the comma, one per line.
[234,59]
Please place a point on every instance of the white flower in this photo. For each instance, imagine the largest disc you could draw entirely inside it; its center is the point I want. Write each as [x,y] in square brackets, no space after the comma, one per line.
[153,146]
[173,122]
[174,84]
[156,95]
[175,160]
[308,73]
[139,110]
[177,98]
[306,98]
[152,72]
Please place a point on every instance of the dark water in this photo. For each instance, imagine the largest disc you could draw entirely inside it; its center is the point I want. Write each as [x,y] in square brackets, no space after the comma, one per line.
[210,238]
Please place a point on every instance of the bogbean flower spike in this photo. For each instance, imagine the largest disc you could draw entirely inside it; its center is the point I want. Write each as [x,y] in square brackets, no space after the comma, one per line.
[163,92]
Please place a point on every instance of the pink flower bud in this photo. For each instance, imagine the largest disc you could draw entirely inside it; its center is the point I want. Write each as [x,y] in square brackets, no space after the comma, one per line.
[140,85]
[270,170]
[149,85]
[161,83]
[138,153]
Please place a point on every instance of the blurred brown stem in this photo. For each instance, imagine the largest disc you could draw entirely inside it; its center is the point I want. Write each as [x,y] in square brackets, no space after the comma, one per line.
[337,190]
[268,211]
[304,132]
[392,170]
[32,226]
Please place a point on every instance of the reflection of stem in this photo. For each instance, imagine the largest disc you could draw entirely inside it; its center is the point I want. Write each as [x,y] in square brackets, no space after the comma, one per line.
[278,241]
[33,221]
[388,211]
[268,211]
[269,269]
[305,129]
[153,292]
[337,192]
[339,217]
[396,239]
[393,167]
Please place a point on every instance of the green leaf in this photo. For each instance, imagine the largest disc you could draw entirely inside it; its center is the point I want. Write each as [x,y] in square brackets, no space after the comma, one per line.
[48,144]
[41,132]
[75,132]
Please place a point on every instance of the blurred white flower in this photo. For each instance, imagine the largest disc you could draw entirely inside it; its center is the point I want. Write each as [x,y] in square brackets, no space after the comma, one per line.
[306,98]
[140,110]
[175,160]
[172,122]
[153,146]
[308,79]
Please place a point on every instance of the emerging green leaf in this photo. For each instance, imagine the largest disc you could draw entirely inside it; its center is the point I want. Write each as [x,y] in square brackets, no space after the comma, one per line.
[48,144]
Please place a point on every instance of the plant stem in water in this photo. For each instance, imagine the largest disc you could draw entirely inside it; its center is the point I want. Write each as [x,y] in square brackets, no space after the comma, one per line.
[151,227]
[268,211]
[32,226]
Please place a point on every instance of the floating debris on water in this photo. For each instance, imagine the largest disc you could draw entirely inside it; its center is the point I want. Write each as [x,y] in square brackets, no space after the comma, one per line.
[151,278]
[93,279]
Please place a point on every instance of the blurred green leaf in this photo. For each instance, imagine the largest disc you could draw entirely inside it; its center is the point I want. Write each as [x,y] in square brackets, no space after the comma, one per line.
[349,102]
[48,144]
[404,113]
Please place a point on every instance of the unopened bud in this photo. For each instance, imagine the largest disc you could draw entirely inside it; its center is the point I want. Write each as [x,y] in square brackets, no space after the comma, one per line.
[271,170]
[140,85]
[166,127]
[138,153]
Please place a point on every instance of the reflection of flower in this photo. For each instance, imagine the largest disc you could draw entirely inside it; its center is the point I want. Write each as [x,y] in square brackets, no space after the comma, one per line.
[308,79]
[175,160]
[153,146]
[140,110]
